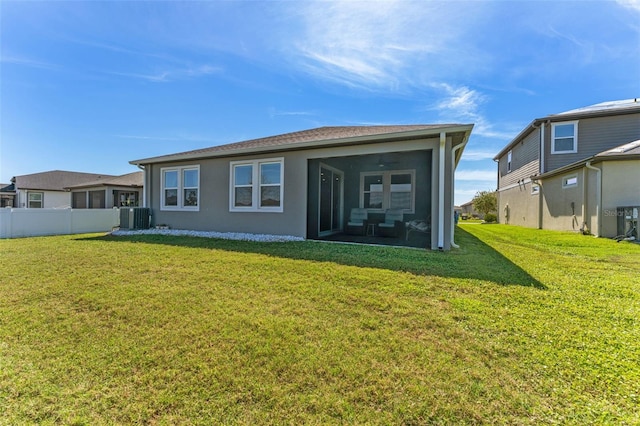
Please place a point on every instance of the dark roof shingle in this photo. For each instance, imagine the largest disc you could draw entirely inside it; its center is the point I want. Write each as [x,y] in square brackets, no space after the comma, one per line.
[56,180]
[320,134]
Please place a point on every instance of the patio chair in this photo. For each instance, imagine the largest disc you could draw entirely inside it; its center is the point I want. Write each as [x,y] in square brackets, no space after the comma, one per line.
[357,223]
[392,225]
[421,227]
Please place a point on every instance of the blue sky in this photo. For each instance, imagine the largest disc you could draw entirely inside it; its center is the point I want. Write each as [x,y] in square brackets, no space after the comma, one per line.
[89,86]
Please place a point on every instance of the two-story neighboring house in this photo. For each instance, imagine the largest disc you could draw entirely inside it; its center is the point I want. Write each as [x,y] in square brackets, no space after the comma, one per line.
[573,170]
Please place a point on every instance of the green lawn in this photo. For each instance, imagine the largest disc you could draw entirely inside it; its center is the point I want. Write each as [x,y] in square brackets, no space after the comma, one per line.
[518,326]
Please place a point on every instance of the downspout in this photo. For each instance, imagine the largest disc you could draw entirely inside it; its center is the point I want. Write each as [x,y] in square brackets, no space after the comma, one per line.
[542,130]
[144,184]
[598,195]
[441,165]
[453,187]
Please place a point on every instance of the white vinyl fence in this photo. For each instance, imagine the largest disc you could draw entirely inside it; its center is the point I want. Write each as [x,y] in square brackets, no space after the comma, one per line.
[15,223]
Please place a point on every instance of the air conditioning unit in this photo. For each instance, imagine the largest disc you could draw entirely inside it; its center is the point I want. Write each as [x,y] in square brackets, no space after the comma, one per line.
[135,217]
[628,222]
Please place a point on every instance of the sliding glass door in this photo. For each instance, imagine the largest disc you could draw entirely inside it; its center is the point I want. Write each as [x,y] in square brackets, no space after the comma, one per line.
[331,199]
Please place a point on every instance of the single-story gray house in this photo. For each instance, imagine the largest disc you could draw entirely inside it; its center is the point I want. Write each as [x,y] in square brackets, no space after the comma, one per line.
[316,184]
[58,189]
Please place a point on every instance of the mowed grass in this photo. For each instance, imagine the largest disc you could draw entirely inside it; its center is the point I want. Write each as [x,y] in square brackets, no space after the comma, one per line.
[518,326]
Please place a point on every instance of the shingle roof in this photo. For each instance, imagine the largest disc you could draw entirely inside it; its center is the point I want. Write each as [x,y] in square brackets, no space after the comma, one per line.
[56,180]
[7,187]
[318,137]
[134,179]
[603,107]
[628,149]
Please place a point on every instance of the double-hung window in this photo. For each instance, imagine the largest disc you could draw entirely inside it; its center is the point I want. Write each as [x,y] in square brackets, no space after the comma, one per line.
[34,200]
[257,185]
[180,188]
[564,137]
[393,189]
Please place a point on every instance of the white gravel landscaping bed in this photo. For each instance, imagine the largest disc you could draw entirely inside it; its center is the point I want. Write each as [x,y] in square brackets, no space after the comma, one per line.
[264,238]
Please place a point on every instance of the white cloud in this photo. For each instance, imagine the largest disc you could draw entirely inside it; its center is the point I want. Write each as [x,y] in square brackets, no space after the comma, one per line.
[383,45]
[477,155]
[273,112]
[630,4]
[172,74]
[28,62]
[464,104]
[476,175]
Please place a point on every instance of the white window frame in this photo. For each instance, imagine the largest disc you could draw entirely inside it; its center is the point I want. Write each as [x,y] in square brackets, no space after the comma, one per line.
[575,137]
[41,201]
[535,189]
[255,185]
[180,189]
[386,189]
[566,181]
[509,159]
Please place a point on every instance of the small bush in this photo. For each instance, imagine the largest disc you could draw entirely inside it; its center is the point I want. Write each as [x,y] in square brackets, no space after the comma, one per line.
[490,218]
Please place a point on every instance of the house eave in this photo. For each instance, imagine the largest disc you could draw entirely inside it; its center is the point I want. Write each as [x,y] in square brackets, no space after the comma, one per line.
[323,143]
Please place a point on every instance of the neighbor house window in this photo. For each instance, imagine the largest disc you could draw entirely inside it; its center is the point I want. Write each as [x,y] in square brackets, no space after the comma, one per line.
[509,156]
[380,191]
[34,200]
[535,189]
[257,185]
[570,181]
[564,137]
[180,188]
[126,199]
[97,199]
[79,200]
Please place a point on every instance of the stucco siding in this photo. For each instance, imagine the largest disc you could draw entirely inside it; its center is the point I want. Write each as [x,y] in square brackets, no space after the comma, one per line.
[620,188]
[562,207]
[214,214]
[524,160]
[594,136]
[214,211]
[518,206]
[592,207]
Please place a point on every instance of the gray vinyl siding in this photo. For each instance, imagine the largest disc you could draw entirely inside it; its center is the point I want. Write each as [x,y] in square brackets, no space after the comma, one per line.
[524,161]
[594,136]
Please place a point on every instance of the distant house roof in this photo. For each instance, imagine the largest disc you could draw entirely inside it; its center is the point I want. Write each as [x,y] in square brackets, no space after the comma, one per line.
[60,180]
[627,151]
[603,109]
[4,187]
[134,180]
[312,138]
[56,180]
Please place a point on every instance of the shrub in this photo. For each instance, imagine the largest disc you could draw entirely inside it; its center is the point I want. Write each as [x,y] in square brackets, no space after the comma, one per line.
[490,218]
